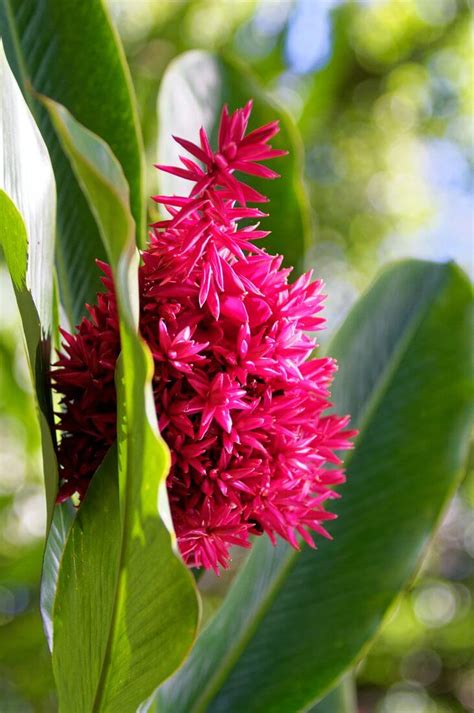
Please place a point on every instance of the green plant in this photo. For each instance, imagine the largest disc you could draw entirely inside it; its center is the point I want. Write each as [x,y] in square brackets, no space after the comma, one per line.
[121,610]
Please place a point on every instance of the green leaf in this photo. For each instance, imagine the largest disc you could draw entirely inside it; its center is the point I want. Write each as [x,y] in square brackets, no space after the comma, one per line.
[85,597]
[137,617]
[27,218]
[63,517]
[193,90]
[72,54]
[294,622]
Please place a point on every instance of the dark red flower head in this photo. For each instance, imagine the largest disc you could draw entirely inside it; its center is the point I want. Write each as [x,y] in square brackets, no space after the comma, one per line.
[239,399]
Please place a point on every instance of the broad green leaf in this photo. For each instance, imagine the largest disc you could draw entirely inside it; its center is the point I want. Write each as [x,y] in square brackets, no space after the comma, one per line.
[193,90]
[85,597]
[72,53]
[294,622]
[137,619]
[27,229]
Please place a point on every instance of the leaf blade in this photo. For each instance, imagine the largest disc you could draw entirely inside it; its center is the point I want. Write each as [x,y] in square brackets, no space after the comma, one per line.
[143,620]
[27,233]
[63,518]
[319,610]
[44,47]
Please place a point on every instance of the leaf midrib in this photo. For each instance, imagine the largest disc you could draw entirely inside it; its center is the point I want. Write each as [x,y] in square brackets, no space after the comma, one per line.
[379,389]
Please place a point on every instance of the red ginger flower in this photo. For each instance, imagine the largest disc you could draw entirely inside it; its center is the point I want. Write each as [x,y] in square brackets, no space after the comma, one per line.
[239,399]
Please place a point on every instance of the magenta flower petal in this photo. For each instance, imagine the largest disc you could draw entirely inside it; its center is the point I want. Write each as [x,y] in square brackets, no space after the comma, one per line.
[240,400]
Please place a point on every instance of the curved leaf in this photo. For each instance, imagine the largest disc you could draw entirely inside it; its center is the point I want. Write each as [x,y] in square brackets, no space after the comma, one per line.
[27,229]
[294,622]
[136,613]
[71,53]
[193,90]
[63,517]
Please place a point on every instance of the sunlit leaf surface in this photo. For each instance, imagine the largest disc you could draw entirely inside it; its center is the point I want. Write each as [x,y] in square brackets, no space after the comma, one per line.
[27,233]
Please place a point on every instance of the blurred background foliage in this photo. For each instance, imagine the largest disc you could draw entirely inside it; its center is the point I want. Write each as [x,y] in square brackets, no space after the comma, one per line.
[382,93]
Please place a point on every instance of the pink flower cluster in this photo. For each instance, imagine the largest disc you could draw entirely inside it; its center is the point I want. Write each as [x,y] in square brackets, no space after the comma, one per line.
[239,399]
